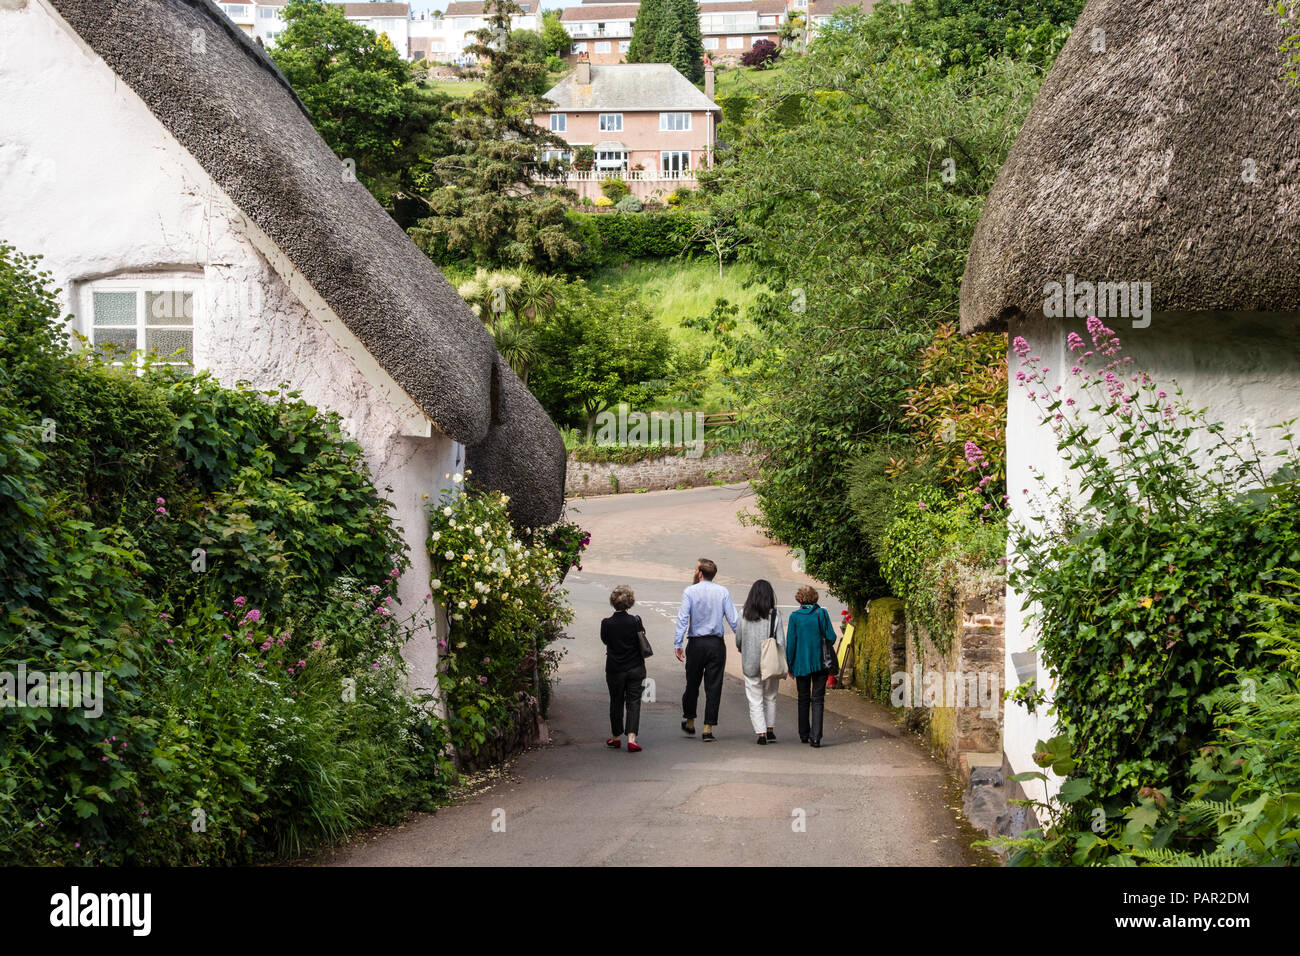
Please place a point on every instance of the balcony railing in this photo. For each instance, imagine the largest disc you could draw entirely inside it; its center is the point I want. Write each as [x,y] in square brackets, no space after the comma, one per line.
[592,33]
[627,175]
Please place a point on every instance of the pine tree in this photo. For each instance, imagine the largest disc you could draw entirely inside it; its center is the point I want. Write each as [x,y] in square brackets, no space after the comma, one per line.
[645,31]
[688,17]
[488,206]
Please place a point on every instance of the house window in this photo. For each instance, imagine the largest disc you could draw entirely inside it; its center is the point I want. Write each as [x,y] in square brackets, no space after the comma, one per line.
[602,46]
[559,122]
[710,43]
[418,55]
[674,162]
[267,13]
[624,46]
[611,159]
[674,121]
[155,316]
[578,48]
[735,43]
[557,156]
[464,23]
[611,122]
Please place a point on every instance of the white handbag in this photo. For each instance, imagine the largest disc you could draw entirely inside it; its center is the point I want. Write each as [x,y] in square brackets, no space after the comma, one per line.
[772,661]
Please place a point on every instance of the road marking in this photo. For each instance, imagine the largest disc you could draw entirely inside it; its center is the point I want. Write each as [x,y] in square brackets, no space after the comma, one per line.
[805,767]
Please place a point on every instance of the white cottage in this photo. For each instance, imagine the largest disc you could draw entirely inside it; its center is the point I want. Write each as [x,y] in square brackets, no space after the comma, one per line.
[155,157]
[1160,169]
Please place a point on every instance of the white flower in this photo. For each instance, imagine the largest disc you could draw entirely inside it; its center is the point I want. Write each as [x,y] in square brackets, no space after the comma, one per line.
[449,555]
[447,511]
[435,584]
[458,477]
[437,536]
[457,617]
[478,530]
[461,605]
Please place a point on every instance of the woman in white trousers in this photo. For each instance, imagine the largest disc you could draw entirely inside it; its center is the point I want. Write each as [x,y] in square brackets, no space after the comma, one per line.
[760,621]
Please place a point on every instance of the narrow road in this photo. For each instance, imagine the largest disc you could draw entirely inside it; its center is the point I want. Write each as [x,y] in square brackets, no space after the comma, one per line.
[869,796]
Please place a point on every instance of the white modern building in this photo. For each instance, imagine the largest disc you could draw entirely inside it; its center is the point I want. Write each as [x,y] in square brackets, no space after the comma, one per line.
[444,38]
[263,19]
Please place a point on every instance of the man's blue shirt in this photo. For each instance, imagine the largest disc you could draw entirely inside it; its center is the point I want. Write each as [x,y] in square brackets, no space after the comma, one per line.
[705,605]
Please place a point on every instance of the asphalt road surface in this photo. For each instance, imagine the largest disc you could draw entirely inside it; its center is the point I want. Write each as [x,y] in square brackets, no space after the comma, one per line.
[869,796]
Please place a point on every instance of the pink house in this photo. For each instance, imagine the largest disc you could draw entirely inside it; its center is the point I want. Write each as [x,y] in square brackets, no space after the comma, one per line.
[645,122]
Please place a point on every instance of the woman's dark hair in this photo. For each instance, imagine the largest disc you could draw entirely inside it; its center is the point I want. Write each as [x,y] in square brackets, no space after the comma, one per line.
[761,601]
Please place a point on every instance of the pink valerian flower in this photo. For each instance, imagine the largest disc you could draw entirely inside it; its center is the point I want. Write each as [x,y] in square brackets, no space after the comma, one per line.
[973,453]
[1069,402]
[241,601]
[1161,394]
[252,617]
[922,506]
[1020,346]
[161,511]
[1074,342]
[160,501]
[482,679]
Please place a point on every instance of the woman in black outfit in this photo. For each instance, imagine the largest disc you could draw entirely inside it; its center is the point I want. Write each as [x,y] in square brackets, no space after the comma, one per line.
[624,669]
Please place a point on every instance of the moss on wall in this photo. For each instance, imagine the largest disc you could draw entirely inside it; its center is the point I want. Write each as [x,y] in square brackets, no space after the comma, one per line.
[872,666]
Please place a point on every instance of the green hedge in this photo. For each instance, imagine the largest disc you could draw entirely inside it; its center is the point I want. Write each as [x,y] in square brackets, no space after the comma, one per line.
[614,238]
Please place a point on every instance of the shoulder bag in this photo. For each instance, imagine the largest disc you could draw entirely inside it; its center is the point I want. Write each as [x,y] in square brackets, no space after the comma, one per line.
[646,649]
[772,661]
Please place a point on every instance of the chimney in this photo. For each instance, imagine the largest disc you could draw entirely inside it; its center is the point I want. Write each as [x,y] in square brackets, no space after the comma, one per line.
[708,77]
[582,75]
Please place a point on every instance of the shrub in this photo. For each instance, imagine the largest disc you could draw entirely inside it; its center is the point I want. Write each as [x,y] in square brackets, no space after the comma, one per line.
[209,713]
[603,201]
[584,158]
[628,204]
[1240,807]
[762,54]
[939,553]
[502,596]
[960,395]
[1142,577]
[613,188]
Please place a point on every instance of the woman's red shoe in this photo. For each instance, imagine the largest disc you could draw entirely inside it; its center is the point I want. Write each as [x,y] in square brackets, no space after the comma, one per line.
[633,748]
[614,743]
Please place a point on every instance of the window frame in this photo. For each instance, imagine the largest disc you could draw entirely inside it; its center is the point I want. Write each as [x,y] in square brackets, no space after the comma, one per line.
[683,167]
[739,43]
[666,125]
[604,128]
[563,122]
[141,285]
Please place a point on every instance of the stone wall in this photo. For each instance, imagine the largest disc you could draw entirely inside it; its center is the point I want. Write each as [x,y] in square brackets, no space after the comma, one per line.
[587,479]
[952,697]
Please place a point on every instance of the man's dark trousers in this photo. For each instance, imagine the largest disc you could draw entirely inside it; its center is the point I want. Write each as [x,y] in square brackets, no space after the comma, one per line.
[706,658]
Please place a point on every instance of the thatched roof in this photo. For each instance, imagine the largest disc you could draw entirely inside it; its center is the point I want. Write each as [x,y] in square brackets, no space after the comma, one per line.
[522,454]
[1132,167]
[227,104]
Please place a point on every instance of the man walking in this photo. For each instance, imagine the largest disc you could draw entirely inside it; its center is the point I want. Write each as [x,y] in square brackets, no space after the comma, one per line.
[705,606]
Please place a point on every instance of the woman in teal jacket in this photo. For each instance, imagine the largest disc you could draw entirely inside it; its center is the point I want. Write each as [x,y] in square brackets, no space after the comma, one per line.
[804,631]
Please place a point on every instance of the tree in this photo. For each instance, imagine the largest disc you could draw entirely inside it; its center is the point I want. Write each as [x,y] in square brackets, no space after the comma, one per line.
[677,39]
[598,351]
[555,38]
[360,97]
[645,31]
[859,216]
[971,31]
[487,204]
